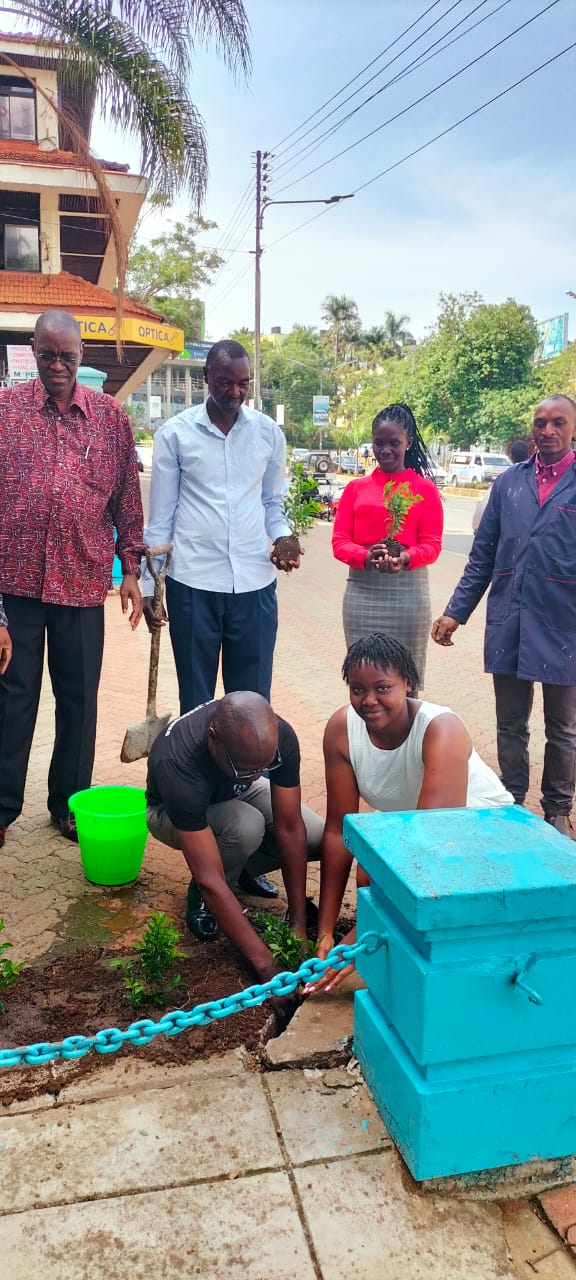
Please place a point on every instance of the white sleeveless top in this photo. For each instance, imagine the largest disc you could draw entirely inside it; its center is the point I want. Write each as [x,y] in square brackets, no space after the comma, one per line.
[391,781]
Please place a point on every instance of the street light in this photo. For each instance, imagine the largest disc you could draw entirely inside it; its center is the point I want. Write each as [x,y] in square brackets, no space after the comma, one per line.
[261,205]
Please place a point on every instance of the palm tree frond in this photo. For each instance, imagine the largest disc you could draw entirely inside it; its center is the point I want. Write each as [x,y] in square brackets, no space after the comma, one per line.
[141,95]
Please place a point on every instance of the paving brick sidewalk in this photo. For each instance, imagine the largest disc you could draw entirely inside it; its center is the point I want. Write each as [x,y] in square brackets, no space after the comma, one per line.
[229,1173]
[46,902]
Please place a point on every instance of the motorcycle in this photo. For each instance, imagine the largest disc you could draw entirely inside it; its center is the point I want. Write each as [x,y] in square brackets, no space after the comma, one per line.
[329,503]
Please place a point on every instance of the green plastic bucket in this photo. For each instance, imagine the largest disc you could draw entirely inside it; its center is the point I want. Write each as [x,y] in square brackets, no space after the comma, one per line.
[112,832]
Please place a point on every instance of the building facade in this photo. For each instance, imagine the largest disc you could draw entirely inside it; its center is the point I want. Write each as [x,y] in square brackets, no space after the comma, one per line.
[56,245]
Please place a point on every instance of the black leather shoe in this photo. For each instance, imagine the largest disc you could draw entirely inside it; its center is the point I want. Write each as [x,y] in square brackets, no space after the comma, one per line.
[561,822]
[198,919]
[257,886]
[66,827]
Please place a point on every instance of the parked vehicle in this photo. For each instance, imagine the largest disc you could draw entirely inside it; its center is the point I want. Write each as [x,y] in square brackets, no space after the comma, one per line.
[349,462]
[439,475]
[328,498]
[317,464]
[473,466]
[298,454]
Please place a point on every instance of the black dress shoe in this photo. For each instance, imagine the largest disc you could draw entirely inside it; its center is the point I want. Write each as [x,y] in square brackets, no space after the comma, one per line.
[66,826]
[257,886]
[198,919]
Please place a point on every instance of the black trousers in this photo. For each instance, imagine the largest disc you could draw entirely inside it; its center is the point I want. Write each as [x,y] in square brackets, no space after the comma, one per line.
[75,639]
[242,626]
[514,700]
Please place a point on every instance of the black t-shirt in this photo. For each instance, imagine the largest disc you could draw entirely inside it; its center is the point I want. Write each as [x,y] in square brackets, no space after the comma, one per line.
[184,778]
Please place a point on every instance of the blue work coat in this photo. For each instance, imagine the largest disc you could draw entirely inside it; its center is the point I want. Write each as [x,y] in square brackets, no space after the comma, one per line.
[526,553]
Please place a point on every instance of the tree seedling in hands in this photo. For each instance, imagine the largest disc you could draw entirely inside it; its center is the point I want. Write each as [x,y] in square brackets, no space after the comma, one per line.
[300,507]
[286,947]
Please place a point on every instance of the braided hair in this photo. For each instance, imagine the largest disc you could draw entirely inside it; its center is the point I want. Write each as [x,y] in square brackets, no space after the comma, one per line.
[417,456]
[384,652]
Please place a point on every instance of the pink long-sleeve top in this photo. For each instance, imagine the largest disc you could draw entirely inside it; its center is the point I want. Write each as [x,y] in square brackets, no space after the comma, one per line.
[361,520]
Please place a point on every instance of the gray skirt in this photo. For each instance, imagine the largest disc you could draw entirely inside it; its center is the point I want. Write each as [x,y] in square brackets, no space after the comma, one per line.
[395,603]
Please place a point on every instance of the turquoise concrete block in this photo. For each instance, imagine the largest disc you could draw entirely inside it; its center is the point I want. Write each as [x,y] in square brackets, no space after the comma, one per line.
[468,1004]
[515,1114]
[468,1034]
[450,868]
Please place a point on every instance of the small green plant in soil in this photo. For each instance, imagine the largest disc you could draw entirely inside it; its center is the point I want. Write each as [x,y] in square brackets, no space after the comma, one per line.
[397,499]
[289,950]
[300,507]
[9,971]
[152,977]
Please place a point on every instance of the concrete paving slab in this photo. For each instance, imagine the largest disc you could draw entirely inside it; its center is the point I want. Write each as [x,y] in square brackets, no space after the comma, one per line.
[132,1075]
[320,1033]
[154,1138]
[222,1231]
[325,1116]
[535,1250]
[367,1219]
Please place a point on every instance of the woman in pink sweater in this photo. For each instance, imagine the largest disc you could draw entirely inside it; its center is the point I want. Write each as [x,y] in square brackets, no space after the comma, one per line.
[390,593]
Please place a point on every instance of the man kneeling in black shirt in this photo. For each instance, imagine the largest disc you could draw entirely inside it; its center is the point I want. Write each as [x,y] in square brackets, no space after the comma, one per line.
[206,796]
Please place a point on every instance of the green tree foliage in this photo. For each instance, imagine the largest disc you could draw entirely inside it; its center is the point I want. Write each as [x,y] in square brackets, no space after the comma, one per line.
[341,315]
[166,273]
[112,54]
[473,379]
[477,351]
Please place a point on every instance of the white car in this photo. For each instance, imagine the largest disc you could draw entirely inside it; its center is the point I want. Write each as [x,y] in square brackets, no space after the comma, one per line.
[439,475]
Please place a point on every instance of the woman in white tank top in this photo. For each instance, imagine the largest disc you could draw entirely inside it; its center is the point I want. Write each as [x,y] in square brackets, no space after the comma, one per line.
[396,753]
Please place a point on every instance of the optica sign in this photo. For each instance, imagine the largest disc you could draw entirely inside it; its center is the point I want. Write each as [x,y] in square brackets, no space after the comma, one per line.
[132,329]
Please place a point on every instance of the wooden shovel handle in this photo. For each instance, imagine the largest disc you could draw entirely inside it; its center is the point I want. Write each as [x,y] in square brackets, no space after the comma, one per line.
[159,577]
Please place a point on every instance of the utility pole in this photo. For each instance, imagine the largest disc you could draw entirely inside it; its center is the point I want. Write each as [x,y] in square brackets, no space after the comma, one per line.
[262,203]
[261,183]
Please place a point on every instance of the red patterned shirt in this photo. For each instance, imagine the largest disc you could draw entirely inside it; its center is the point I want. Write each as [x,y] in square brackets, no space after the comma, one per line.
[67,480]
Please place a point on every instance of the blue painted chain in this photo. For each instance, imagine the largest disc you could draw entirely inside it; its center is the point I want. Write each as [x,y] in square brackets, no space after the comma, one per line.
[142,1032]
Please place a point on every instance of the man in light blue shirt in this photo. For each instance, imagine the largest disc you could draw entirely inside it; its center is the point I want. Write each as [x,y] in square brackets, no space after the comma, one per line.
[217,494]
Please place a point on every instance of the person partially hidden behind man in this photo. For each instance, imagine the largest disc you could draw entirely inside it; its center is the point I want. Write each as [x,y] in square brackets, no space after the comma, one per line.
[207,796]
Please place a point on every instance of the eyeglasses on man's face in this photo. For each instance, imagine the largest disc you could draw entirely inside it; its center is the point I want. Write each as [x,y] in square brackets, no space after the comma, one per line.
[69,358]
[243,774]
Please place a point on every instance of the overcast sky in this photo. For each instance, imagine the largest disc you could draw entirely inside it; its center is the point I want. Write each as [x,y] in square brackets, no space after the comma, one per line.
[491,207]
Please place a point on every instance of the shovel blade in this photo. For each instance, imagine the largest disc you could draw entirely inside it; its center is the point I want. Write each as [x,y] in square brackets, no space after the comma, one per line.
[140,737]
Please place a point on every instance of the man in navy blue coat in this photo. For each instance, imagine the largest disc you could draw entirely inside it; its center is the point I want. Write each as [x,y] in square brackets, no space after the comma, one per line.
[525,551]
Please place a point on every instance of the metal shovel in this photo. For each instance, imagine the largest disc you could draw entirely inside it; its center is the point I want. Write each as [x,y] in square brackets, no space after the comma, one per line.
[139,737]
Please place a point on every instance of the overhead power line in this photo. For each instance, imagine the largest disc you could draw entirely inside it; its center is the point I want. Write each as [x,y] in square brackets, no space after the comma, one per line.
[423,98]
[419,61]
[378,73]
[444,132]
[382,54]
[228,229]
[468,116]
[216,302]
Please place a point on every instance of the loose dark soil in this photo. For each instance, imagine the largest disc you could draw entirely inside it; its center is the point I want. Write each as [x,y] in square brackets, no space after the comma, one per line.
[81,994]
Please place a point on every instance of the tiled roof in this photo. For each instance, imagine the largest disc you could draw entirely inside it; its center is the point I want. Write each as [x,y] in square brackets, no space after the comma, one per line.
[30,153]
[18,38]
[33,291]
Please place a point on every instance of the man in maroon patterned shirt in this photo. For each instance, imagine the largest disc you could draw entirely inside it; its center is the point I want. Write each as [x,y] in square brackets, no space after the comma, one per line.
[68,478]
